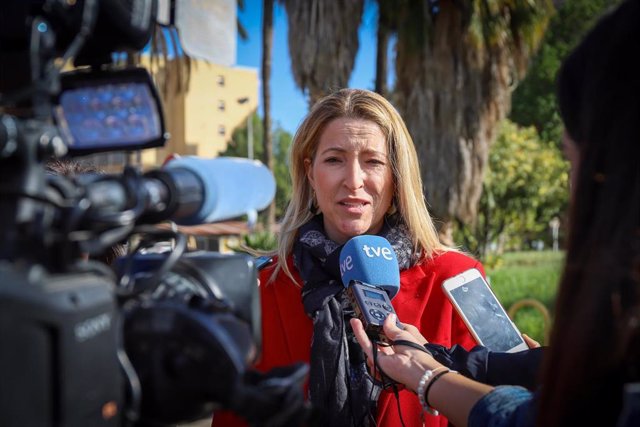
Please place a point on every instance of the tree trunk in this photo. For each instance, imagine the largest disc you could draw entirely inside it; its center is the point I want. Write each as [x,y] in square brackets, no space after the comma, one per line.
[451,94]
[267,44]
[382,47]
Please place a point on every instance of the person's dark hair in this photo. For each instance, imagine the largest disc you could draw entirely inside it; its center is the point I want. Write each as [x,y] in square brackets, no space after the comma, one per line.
[71,168]
[595,341]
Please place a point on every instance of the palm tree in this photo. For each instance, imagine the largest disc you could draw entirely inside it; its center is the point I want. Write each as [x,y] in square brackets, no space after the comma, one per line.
[267,44]
[457,63]
[387,19]
[323,42]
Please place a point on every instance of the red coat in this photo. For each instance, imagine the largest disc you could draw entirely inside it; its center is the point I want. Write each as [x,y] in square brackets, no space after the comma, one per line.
[287,330]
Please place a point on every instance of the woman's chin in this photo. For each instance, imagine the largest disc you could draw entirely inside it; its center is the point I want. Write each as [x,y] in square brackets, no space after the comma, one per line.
[353,230]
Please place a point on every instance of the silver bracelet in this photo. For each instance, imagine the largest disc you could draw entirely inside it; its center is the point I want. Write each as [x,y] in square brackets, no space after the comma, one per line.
[424,380]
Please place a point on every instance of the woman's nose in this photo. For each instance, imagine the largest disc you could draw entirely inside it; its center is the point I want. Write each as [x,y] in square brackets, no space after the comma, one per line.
[354,176]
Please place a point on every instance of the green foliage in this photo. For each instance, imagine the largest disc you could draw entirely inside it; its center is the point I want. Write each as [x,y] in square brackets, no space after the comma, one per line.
[282,141]
[261,241]
[493,261]
[256,243]
[528,275]
[516,25]
[524,188]
[534,101]
[494,22]
[238,147]
[239,144]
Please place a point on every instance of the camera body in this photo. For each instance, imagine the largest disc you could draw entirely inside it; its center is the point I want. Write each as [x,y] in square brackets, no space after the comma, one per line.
[157,338]
[58,362]
[191,340]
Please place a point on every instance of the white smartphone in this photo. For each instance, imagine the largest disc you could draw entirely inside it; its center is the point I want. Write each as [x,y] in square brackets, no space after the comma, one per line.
[483,314]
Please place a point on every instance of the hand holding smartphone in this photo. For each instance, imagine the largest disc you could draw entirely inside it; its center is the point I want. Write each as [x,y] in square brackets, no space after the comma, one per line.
[483,314]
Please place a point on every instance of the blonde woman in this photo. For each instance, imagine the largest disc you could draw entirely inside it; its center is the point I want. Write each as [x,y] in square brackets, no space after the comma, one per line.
[354,171]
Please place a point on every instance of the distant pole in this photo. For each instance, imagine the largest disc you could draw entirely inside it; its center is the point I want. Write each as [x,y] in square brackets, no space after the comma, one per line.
[267,140]
[250,136]
[555,228]
[241,101]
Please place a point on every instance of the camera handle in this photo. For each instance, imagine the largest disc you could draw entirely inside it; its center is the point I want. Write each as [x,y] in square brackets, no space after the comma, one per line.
[24,144]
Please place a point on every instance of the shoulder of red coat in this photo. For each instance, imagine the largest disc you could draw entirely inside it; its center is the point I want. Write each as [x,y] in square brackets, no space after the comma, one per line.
[266,273]
[449,263]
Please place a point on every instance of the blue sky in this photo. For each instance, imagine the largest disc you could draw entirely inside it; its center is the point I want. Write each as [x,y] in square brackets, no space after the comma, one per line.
[288,104]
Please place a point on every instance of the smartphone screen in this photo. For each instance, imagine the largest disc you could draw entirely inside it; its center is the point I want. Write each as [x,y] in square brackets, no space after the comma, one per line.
[485,316]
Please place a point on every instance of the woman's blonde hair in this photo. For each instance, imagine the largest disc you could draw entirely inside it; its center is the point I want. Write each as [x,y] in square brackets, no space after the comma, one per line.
[409,199]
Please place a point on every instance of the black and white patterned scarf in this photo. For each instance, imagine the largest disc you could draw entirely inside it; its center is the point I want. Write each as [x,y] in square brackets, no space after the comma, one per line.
[339,386]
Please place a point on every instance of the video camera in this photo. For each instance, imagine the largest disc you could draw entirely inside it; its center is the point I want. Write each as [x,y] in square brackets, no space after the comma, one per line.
[166,338]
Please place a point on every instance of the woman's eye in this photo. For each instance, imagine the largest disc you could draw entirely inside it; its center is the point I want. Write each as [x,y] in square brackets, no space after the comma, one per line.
[331,160]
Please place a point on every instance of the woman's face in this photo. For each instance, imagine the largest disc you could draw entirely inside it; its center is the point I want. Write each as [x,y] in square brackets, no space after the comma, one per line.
[352,179]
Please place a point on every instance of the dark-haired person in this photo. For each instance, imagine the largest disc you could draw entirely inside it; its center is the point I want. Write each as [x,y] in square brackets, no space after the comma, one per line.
[591,371]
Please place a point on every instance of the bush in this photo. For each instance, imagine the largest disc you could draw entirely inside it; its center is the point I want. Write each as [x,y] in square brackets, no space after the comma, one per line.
[524,188]
[261,241]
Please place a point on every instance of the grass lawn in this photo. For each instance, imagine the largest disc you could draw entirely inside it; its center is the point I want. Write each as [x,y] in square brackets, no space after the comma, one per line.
[525,275]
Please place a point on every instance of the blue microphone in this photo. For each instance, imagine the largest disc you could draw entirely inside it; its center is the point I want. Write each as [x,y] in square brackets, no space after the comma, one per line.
[371,260]
[370,274]
[228,187]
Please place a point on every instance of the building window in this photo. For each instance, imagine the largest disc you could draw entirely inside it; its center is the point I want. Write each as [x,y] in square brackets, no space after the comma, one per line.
[221,105]
[220,80]
[221,130]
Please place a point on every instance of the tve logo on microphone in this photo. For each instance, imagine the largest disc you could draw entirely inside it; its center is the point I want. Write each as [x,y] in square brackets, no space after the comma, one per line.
[385,252]
[377,251]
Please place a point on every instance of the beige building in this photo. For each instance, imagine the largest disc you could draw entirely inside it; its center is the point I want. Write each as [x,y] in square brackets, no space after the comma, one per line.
[201,120]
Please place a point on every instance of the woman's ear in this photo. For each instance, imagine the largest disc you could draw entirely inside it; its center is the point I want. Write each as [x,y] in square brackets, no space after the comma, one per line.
[308,168]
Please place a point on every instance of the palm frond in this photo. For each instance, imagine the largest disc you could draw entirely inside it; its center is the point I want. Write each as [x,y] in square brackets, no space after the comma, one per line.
[323,42]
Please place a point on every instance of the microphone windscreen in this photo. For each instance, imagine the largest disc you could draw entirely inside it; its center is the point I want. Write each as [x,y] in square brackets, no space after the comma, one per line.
[371,260]
[231,186]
